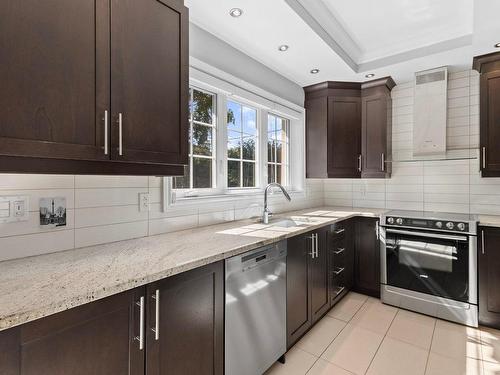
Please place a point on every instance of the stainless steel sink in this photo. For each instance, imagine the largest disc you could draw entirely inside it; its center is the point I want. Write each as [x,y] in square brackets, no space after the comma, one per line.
[293,222]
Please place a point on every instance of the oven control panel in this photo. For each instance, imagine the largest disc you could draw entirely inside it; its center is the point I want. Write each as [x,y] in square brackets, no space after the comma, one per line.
[427,223]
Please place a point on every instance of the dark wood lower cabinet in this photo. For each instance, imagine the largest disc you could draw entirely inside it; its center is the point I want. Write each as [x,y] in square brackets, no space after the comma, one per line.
[320,298]
[341,260]
[103,337]
[489,276]
[96,338]
[190,339]
[366,257]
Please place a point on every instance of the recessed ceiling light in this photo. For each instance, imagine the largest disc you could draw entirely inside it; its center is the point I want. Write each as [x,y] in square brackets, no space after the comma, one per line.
[314,71]
[497,45]
[283,48]
[236,12]
[370,75]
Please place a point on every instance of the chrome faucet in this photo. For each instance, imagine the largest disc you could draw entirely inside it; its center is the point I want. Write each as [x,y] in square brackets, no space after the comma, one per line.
[267,214]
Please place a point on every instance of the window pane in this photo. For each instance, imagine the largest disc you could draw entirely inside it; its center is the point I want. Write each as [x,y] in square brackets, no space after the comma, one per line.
[280,153]
[249,121]
[202,173]
[271,124]
[233,145]
[233,116]
[271,146]
[202,140]
[270,173]
[233,173]
[249,148]
[280,178]
[248,174]
[203,106]
[182,182]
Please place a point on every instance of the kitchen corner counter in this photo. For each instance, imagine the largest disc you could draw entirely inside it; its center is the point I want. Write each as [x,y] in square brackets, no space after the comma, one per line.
[35,287]
[489,220]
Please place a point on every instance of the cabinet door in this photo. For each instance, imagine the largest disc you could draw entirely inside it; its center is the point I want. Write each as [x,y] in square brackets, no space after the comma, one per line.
[149,80]
[344,136]
[490,124]
[320,300]
[185,327]
[367,257]
[96,338]
[375,143]
[298,313]
[489,277]
[54,78]
[317,137]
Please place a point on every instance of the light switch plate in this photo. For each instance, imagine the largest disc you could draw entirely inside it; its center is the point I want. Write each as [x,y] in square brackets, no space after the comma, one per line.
[143,202]
[13,208]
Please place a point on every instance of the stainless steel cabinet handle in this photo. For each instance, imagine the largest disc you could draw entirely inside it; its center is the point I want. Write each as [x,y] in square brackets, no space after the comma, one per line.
[338,270]
[484,157]
[360,165]
[340,290]
[317,247]
[106,130]
[377,231]
[339,231]
[140,338]
[120,134]
[313,247]
[383,162]
[156,329]
[482,242]
[340,250]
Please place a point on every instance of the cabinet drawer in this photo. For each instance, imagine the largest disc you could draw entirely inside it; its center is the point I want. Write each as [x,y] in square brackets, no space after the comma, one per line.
[338,287]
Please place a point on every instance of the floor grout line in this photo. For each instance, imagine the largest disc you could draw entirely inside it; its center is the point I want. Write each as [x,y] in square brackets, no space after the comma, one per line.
[430,347]
[381,342]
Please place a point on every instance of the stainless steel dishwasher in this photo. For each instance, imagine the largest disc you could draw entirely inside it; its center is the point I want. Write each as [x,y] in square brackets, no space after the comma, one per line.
[255,310]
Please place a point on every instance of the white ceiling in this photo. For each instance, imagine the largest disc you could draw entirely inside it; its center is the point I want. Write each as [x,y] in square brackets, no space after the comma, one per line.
[347,39]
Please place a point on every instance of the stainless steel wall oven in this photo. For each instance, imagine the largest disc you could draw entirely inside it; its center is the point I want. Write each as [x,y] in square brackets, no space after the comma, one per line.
[429,264]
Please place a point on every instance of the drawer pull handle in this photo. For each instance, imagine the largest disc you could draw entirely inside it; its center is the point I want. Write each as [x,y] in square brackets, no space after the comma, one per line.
[340,231]
[156,330]
[338,270]
[340,250]
[339,290]
[140,338]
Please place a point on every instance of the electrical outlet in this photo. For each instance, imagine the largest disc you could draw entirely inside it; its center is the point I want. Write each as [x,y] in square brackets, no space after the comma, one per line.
[13,208]
[143,202]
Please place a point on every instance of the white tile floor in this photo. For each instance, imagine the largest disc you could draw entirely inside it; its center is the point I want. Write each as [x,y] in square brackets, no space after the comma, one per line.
[362,336]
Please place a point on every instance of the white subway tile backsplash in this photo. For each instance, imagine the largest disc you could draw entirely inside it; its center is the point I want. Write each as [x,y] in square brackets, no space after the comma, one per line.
[35,244]
[107,197]
[110,233]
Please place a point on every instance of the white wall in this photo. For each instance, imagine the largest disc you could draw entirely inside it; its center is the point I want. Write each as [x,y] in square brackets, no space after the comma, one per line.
[447,186]
[106,208]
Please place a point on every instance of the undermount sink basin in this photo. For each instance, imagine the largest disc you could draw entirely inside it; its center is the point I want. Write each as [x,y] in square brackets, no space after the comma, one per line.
[290,223]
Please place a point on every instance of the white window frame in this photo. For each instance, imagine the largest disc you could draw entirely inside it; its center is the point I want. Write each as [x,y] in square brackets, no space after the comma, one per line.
[265,104]
[286,163]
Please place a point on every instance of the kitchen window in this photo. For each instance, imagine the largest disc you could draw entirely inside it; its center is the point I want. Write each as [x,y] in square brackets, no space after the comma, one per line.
[278,168]
[242,145]
[239,141]
[200,172]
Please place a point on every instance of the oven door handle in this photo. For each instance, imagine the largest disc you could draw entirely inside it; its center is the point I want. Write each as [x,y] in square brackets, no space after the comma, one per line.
[428,235]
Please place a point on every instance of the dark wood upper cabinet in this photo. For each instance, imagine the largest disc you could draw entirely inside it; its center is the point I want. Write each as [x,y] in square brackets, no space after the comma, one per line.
[367,257]
[489,276]
[69,68]
[376,128]
[55,78]
[333,129]
[349,129]
[190,338]
[96,338]
[149,71]
[489,68]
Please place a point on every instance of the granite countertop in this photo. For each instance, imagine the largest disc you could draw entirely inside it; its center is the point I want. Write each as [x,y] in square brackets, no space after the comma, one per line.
[34,287]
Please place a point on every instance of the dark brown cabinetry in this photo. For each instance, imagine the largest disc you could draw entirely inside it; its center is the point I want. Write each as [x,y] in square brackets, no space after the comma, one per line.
[367,257]
[97,338]
[348,129]
[376,128]
[307,282]
[182,332]
[489,68]
[489,276]
[72,70]
[333,130]
[341,260]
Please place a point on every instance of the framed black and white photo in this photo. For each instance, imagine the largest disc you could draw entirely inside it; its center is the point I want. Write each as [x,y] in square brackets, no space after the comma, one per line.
[53,211]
